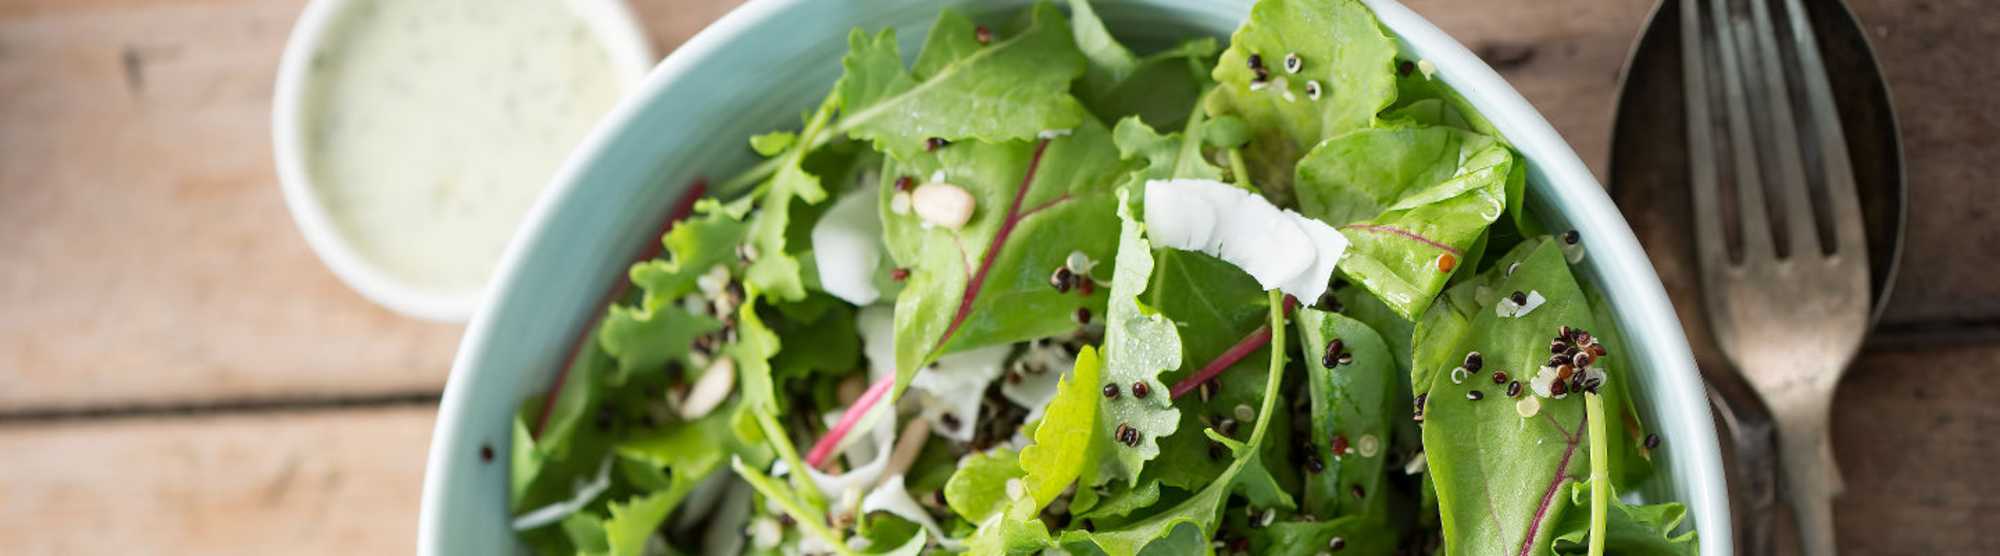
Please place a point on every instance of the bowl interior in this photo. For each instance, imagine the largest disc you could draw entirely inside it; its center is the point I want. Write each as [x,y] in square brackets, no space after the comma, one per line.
[758,67]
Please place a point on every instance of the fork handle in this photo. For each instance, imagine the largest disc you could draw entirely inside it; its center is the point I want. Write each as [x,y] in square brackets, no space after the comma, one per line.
[1811,477]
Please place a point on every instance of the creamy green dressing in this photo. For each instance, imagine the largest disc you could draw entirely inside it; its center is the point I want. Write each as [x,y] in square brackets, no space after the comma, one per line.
[431,125]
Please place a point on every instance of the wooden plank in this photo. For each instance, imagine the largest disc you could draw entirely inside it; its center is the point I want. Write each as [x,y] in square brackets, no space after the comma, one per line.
[1913,435]
[332,482]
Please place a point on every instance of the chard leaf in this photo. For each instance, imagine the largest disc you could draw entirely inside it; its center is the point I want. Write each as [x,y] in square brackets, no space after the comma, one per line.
[1359,536]
[1352,400]
[987,283]
[1499,475]
[1629,530]
[1340,46]
[1408,200]
[1013,89]
[1219,305]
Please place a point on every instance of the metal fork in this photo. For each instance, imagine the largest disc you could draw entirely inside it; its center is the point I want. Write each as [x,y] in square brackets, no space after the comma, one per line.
[1788,308]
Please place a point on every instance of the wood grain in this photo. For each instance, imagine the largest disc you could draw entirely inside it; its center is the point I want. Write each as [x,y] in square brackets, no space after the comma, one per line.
[341,482]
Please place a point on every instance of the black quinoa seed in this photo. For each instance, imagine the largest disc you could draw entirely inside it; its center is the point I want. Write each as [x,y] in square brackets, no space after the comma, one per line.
[1571,237]
[1140,389]
[1518,298]
[982,34]
[1062,279]
[937,497]
[1473,361]
[1293,63]
[1338,543]
[1567,332]
[1514,389]
[1499,377]
[1110,390]
[950,421]
[899,274]
[1420,402]
[1314,465]
[1582,359]
[935,143]
[1558,389]
[1332,355]
[1652,441]
[1337,446]
[1256,62]
[904,184]
[1475,395]
[1558,346]
[1082,315]
[1356,491]
[1084,286]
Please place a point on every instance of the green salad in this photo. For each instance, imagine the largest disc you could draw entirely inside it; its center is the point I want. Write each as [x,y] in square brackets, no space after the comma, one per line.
[1038,293]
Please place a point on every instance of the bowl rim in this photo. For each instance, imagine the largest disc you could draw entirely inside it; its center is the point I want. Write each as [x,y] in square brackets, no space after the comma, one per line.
[629,54]
[1643,307]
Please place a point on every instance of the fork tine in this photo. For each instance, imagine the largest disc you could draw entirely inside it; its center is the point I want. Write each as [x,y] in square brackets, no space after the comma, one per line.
[1802,236]
[1824,119]
[1744,161]
[1711,249]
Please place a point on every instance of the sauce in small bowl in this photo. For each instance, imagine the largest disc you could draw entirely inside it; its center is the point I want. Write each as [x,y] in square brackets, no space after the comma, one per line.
[413,135]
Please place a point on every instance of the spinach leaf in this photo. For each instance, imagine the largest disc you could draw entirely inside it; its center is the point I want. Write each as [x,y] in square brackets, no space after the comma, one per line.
[1010,90]
[1447,320]
[1218,305]
[1351,401]
[1629,530]
[1341,50]
[987,283]
[1499,474]
[1411,202]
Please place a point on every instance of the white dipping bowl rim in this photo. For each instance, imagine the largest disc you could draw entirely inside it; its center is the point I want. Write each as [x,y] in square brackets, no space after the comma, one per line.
[629,53]
[579,236]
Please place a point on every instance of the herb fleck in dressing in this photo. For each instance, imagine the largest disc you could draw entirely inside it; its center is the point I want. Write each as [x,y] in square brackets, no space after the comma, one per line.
[430,126]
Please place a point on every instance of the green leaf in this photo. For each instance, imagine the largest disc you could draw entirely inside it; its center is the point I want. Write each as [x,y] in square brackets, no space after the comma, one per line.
[1166,156]
[1218,305]
[633,522]
[1447,320]
[1355,401]
[1123,502]
[1011,90]
[1359,536]
[1158,89]
[1408,200]
[978,490]
[1139,344]
[987,283]
[646,336]
[770,144]
[1629,530]
[1067,442]
[1497,473]
[1631,462]
[1339,45]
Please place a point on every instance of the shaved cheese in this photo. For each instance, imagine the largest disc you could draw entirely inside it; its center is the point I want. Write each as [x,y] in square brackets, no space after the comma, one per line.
[1281,249]
[894,498]
[847,247]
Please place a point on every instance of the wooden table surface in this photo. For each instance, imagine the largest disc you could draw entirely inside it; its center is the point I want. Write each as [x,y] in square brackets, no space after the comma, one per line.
[179,374]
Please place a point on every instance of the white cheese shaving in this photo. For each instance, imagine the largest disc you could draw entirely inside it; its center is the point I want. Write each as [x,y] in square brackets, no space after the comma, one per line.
[892,497]
[847,247]
[1051,133]
[1281,249]
[953,385]
[585,494]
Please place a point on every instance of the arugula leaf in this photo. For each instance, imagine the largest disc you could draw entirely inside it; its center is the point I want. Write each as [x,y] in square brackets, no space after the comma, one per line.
[1013,89]
[1411,202]
[1340,46]
[1629,530]
[1139,344]
[1359,535]
[632,523]
[1352,401]
[1499,474]
[987,283]
[1247,476]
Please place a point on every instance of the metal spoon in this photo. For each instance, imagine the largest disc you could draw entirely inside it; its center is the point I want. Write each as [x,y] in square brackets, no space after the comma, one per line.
[1649,180]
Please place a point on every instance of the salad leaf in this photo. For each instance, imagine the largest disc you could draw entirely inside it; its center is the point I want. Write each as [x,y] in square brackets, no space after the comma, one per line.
[1629,530]
[1013,89]
[1166,156]
[1352,401]
[1499,474]
[1340,47]
[775,268]
[1157,89]
[632,523]
[1447,320]
[1359,535]
[1411,202]
[1202,293]
[1139,344]
[658,330]
[1067,443]
[987,283]
[978,490]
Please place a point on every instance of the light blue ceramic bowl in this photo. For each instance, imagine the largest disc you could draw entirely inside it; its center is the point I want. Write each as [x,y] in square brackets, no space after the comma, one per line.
[757,68]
